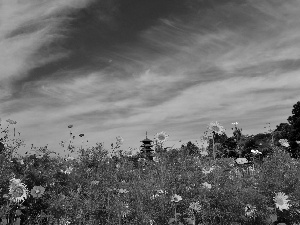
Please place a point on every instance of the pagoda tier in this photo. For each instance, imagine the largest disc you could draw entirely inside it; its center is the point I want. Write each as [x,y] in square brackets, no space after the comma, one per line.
[146,150]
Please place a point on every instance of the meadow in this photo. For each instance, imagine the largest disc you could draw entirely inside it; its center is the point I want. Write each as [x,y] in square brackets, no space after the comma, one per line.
[198,186]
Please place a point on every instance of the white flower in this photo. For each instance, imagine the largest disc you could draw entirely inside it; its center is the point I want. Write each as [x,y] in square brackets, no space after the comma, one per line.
[195,206]
[94,182]
[281,201]
[216,127]
[161,137]
[120,140]
[203,153]
[284,142]
[204,142]
[155,159]
[122,191]
[176,198]
[255,152]
[241,160]
[298,142]
[207,185]
[250,210]
[70,158]
[68,170]
[208,171]
[17,190]
[11,121]
[236,123]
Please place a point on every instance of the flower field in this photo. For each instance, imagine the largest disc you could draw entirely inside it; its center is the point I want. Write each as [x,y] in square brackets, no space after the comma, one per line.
[178,186]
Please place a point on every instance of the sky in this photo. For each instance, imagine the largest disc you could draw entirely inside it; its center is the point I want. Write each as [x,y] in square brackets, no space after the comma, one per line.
[123,67]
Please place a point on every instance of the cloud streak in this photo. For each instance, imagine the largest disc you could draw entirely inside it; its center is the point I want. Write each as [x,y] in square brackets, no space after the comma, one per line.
[226,62]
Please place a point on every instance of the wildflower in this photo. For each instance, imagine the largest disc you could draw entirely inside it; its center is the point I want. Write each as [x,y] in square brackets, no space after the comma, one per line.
[203,153]
[70,126]
[204,142]
[176,198]
[158,194]
[255,152]
[155,159]
[241,161]
[125,209]
[281,201]
[64,221]
[37,191]
[120,140]
[122,191]
[284,142]
[236,123]
[68,170]
[250,210]
[207,185]
[70,158]
[161,137]
[11,121]
[17,190]
[298,142]
[94,182]
[216,128]
[195,206]
[205,171]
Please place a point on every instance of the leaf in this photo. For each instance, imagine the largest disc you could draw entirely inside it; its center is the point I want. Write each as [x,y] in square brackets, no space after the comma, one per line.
[18,221]
[273,218]
[171,220]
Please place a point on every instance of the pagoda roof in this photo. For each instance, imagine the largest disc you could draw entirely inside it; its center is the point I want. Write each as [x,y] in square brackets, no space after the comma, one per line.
[146,139]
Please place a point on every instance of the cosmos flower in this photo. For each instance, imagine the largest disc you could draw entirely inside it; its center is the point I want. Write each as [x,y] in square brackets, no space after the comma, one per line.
[155,159]
[284,142]
[207,185]
[17,190]
[161,137]
[241,161]
[281,201]
[204,142]
[216,128]
[195,206]
[94,182]
[124,209]
[250,210]
[120,140]
[255,152]
[122,191]
[176,198]
[11,121]
[205,171]
[203,153]
[37,191]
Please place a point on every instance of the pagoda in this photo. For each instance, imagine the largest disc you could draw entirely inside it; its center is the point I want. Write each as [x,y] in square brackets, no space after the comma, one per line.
[146,148]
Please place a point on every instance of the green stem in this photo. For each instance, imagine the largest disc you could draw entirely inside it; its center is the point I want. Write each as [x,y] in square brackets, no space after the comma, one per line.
[214,153]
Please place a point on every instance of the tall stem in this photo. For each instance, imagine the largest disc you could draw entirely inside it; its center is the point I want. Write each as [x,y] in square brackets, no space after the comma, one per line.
[214,153]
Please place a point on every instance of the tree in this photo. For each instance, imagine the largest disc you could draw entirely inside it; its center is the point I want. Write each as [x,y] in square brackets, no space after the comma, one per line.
[294,136]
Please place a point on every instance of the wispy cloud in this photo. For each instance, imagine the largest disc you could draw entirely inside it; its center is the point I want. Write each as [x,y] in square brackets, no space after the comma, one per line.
[226,62]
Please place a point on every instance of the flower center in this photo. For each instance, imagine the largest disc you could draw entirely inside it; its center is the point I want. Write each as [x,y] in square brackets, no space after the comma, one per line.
[37,191]
[161,137]
[216,128]
[279,201]
[18,192]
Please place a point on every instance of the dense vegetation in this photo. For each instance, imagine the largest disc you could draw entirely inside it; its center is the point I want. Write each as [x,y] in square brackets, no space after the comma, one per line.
[243,179]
